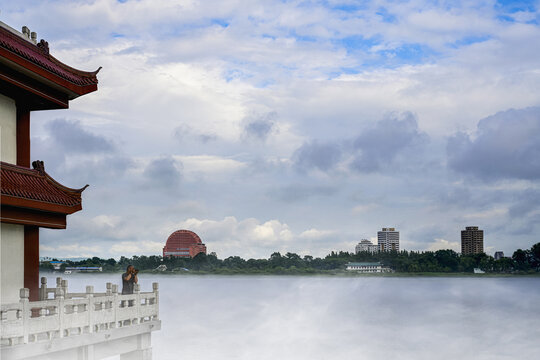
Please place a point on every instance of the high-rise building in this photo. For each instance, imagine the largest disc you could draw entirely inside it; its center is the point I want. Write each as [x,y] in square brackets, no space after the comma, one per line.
[498,255]
[366,246]
[472,241]
[388,239]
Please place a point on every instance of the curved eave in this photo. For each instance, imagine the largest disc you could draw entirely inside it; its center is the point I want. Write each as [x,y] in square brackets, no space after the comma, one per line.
[45,76]
[21,202]
[68,200]
[36,61]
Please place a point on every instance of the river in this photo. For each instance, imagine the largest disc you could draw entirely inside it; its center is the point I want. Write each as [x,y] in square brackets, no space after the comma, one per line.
[317,317]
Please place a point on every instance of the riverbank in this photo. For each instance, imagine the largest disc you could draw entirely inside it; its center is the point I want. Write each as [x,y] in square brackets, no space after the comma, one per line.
[329,273]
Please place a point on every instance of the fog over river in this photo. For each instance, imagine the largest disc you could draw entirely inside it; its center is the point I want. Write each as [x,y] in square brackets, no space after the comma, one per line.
[288,317]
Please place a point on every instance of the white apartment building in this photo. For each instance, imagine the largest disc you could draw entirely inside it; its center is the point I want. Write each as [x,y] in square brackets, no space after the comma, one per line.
[388,239]
[366,246]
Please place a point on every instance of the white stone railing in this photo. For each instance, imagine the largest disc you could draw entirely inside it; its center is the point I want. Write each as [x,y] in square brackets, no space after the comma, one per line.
[69,314]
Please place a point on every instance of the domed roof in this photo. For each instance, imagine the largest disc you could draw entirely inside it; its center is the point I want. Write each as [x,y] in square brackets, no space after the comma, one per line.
[183,239]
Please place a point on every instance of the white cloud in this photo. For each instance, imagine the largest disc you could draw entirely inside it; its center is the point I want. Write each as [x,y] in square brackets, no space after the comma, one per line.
[487,214]
[206,66]
[130,248]
[442,244]
[209,165]
[314,234]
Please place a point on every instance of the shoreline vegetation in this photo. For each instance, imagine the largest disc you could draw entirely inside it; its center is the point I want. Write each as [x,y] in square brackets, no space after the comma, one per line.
[403,263]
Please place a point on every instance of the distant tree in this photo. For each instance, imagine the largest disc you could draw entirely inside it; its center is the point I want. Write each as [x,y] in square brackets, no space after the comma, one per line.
[234,262]
[535,256]
[521,260]
[448,260]
[46,266]
[504,265]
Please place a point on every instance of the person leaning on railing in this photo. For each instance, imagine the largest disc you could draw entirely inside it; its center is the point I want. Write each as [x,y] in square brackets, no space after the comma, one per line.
[129,279]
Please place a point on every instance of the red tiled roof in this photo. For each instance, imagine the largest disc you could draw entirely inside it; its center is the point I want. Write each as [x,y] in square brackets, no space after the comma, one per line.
[35,189]
[39,55]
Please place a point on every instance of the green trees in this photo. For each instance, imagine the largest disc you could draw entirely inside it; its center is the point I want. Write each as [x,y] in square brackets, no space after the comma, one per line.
[521,260]
[291,263]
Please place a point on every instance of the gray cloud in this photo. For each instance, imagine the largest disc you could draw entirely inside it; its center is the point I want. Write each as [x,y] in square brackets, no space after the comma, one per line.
[98,170]
[73,154]
[260,127]
[71,136]
[378,146]
[506,146]
[297,192]
[163,173]
[322,156]
[185,132]
[526,202]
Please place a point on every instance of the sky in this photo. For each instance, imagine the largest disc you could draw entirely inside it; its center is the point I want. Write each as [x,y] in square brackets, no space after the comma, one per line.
[293,126]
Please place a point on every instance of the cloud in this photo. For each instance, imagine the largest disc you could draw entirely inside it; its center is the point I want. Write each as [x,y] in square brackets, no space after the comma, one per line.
[218,72]
[186,133]
[315,234]
[442,244]
[163,173]
[72,137]
[506,146]
[260,127]
[72,250]
[130,248]
[317,155]
[249,236]
[525,203]
[363,208]
[377,147]
[302,192]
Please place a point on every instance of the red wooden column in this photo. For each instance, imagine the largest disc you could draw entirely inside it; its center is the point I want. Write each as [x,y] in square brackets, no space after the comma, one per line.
[23,137]
[31,261]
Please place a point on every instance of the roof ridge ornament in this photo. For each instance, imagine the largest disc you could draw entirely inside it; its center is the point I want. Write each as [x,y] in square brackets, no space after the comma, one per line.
[43,46]
[39,166]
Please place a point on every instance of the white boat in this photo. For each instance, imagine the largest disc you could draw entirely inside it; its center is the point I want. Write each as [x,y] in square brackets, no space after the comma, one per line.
[67,272]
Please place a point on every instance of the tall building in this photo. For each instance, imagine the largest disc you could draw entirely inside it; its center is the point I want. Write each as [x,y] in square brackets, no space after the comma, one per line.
[472,241]
[388,239]
[366,246]
[183,243]
[498,255]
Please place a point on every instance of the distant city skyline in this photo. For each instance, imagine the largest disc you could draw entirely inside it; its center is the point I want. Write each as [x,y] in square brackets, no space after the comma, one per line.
[285,126]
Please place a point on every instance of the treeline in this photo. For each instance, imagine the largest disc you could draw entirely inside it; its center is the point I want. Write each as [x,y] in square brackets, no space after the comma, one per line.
[445,261]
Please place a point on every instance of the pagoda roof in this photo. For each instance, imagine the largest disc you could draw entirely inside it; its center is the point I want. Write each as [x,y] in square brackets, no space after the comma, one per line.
[35,60]
[35,189]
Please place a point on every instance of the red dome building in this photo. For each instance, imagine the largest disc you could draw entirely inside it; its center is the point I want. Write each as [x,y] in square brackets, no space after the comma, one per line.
[183,243]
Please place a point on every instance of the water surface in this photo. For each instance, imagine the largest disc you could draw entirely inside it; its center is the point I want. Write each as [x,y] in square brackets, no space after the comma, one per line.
[287,317]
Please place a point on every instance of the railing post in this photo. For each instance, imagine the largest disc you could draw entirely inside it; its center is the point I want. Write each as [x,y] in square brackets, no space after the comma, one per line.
[59,296]
[58,282]
[24,293]
[137,292]
[155,288]
[114,305]
[65,288]
[43,289]
[90,307]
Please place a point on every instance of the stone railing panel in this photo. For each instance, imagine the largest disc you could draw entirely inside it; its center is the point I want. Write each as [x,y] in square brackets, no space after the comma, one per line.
[74,314]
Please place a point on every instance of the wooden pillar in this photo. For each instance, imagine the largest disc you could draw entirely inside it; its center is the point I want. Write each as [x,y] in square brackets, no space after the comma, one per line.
[31,261]
[23,137]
